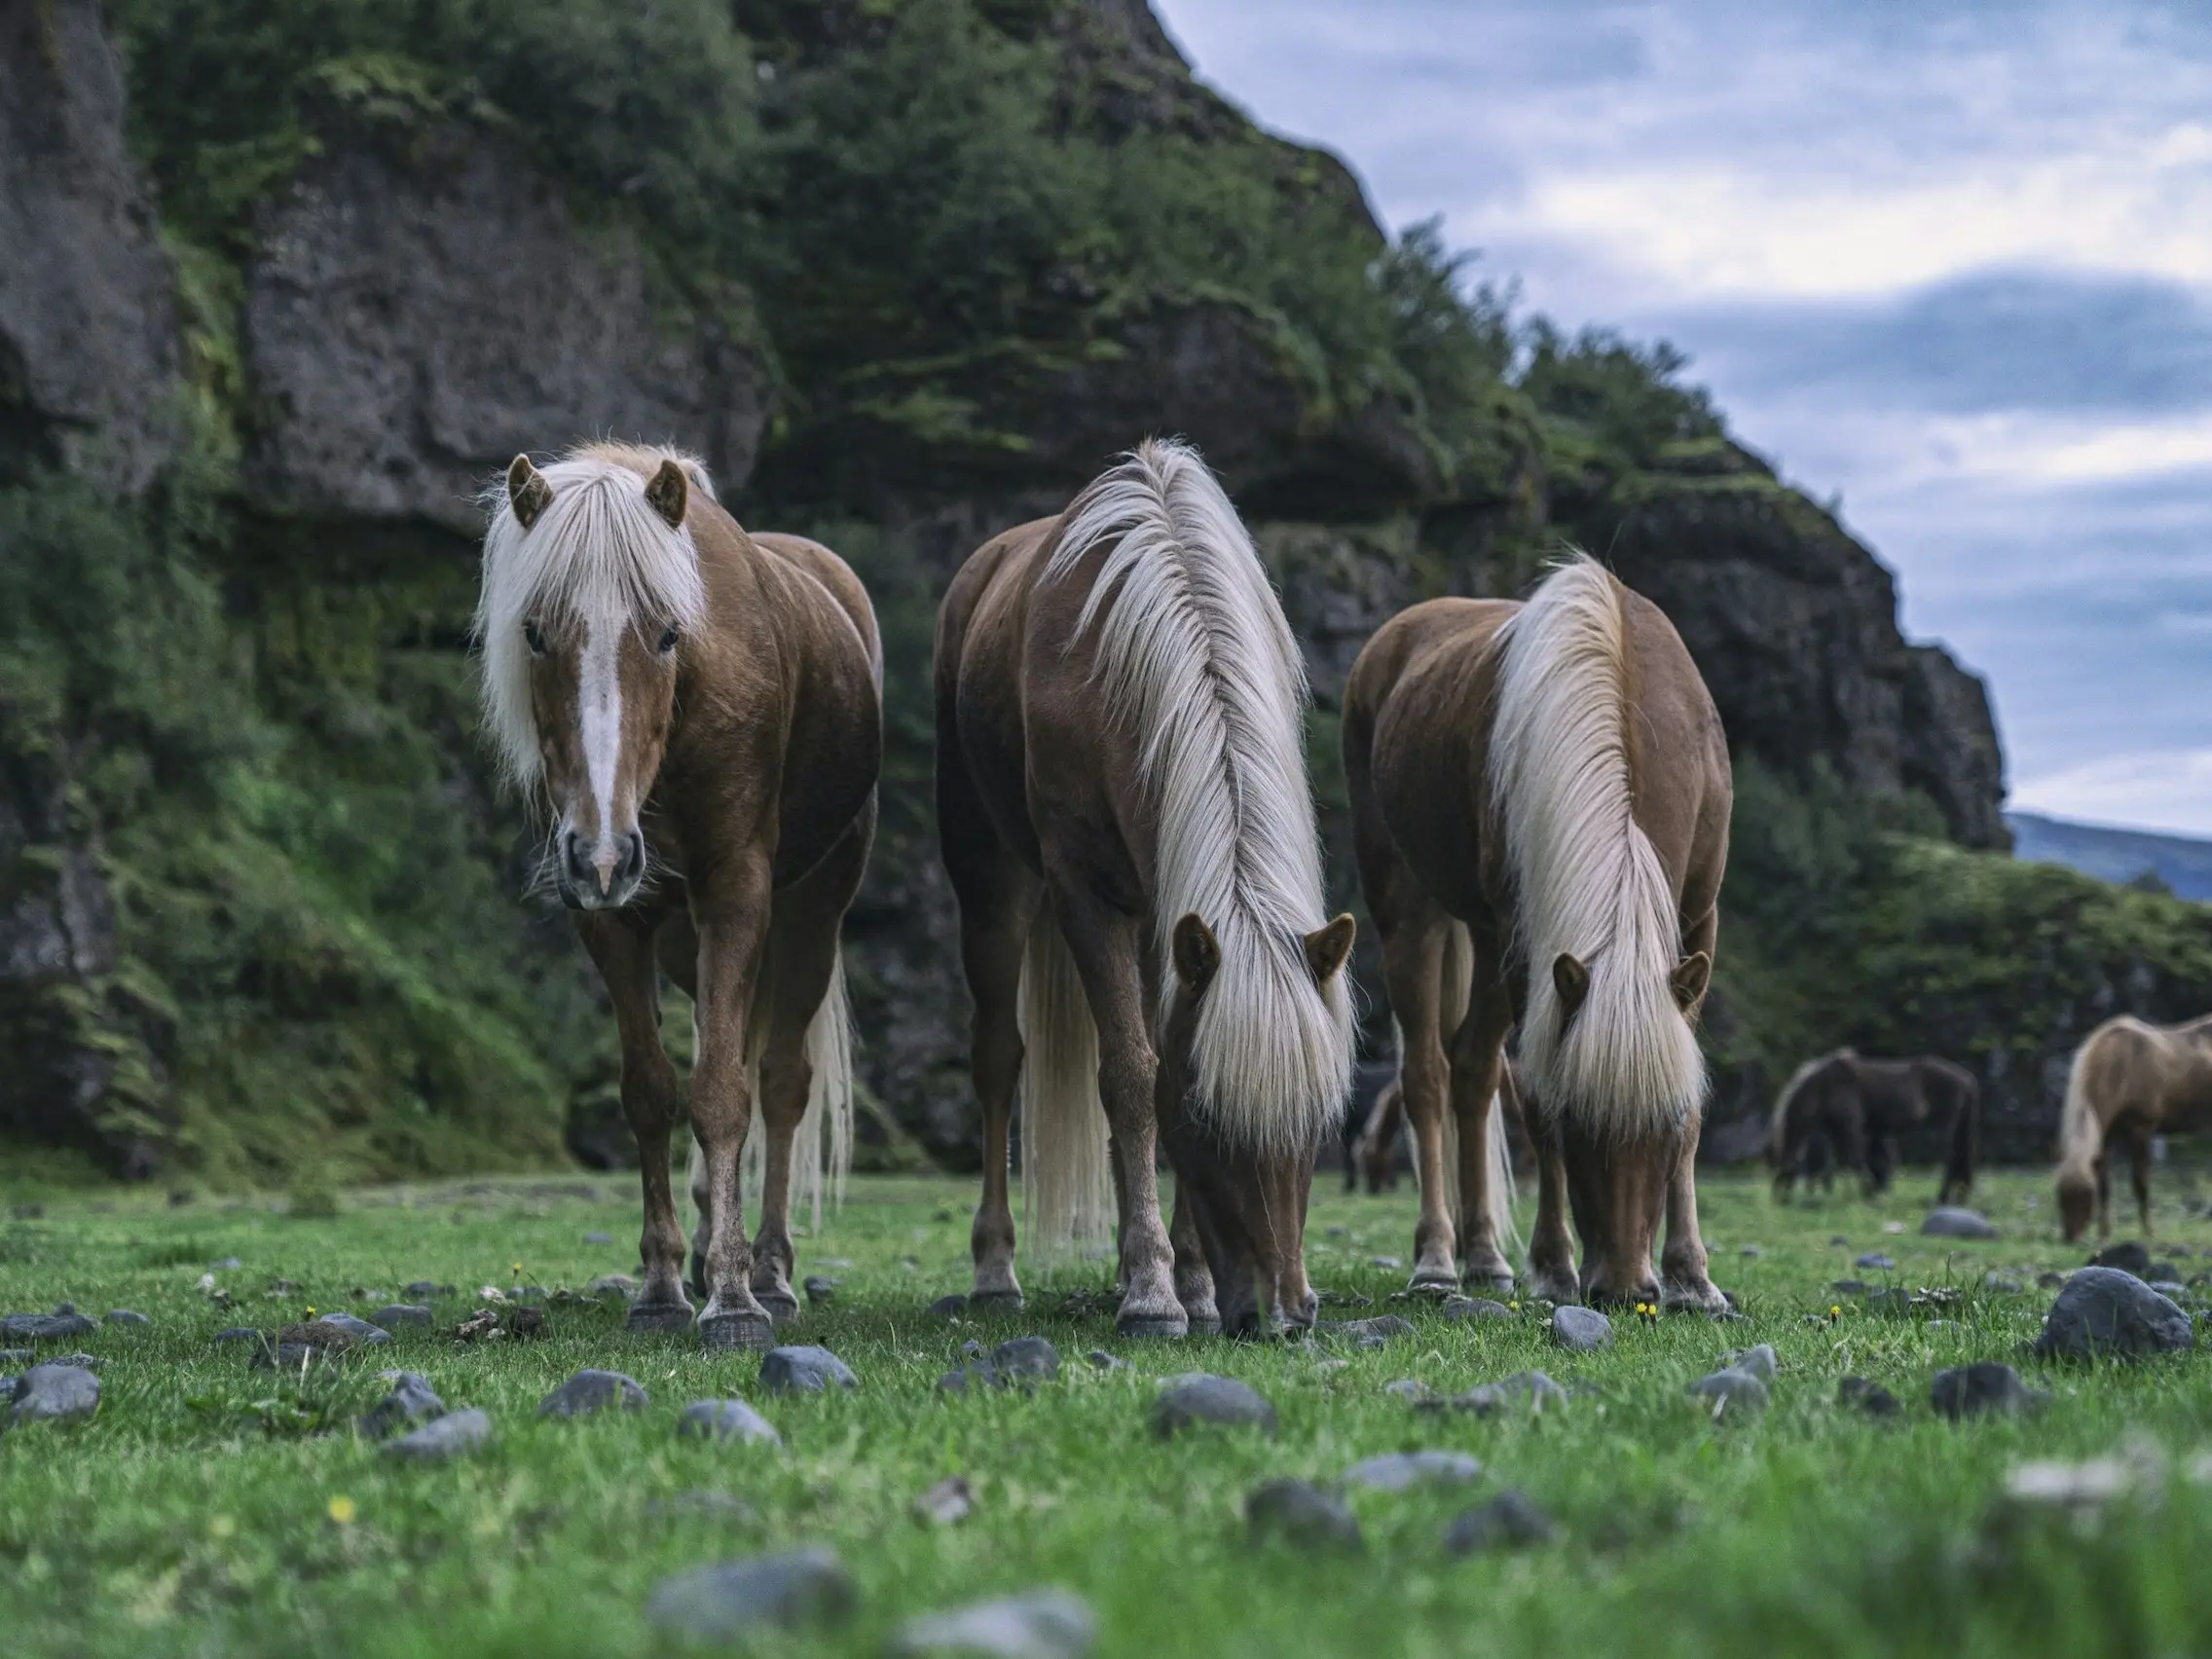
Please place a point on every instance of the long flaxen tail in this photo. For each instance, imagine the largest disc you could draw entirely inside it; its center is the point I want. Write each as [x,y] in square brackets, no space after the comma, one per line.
[1067,1172]
[1587,880]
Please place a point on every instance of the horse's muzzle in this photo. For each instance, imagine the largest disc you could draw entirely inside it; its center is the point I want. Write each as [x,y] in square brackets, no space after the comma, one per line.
[602,875]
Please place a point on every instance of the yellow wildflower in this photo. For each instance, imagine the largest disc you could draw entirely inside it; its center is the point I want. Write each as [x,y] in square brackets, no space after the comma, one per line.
[341,1511]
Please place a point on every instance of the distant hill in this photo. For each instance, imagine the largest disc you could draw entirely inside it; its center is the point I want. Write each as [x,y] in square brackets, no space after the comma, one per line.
[2116,855]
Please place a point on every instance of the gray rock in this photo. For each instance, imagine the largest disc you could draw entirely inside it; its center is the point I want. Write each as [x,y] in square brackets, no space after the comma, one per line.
[1733,1392]
[1862,1395]
[449,1436]
[1407,1389]
[1037,1624]
[2103,1313]
[819,1289]
[81,1361]
[948,1308]
[236,1333]
[360,1330]
[1750,1252]
[426,1288]
[399,1314]
[2129,1256]
[951,1501]
[1299,1514]
[1875,1261]
[726,1420]
[1105,1361]
[971,1378]
[599,1239]
[412,1400]
[613,1284]
[739,1598]
[1475,1307]
[2004,1284]
[589,1391]
[1531,1390]
[1398,1471]
[804,1370]
[1581,1330]
[1849,1286]
[1759,1361]
[1949,1221]
[1365,1333]
[52,1327]
[1969,1390]
[1198,1398]
[125,1317]
[1386,1261]
[1510,1520]
[54,1394]
[1026,1360]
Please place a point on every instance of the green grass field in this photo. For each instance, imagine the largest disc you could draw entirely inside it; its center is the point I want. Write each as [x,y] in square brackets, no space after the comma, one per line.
[202,1511]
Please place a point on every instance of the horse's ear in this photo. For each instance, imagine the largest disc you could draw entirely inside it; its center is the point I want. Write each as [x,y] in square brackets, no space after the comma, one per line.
[1328,947]
[1197,953]
[1690,977]
[1573,982]
[528,493]
[670,493]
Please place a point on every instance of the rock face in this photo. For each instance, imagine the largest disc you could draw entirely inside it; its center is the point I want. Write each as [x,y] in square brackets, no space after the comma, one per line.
[89,343]
[423,307]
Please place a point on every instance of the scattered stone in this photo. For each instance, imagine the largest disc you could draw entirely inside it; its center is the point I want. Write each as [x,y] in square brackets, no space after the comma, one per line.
[1850,1287]
[589,1391]
[1581,1330]
[295,1348]
[398,1315]
[1365,1333]
[1950,1221]
[412,1400]
[1299,1514]
[1875,1261]
[1475,1307]
[819,1289]
[599,1239]
[2107,1313]
[1759,1361]
[57,1326]
[360,1330]
[2004,1284]
[1025,1360]
[1338,1230]
[1750,1252]
[1837,1240]
[948,1308]
[1531,1388]
[424,1288]
[726,1420]
[951,1501]
[1861,1394]
[971,1378]
[449,1436]
[1732,1390]
[1037,1624]
[1509,1520]
[2049,1281]
[613,1284]
[54,1394]
[1385,1261]
[236,1333]
[804,1370]
[1400,1471]
[1198,1398]
[83,1361]
[2128,1256]
[1106,1362]
[786,1592]
[1985,1385]
[1408,1388]
[125,1317]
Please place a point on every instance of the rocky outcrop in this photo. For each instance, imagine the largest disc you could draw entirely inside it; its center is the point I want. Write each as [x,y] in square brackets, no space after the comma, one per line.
[424,305]
[88,312]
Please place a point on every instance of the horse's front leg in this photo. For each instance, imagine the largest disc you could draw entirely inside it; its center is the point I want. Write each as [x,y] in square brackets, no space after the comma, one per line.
[621,946]
[1551,1274]
[733,924]
[1477,1066]
[1683,1268]
[1413,968]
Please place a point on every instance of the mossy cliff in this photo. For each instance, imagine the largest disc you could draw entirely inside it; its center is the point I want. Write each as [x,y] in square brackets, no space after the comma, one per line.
[280,284]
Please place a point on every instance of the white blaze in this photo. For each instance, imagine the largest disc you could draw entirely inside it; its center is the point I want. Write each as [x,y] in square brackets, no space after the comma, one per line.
[599,715]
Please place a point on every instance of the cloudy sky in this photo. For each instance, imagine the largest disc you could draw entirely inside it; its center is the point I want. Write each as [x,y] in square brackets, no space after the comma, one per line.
[1953,261]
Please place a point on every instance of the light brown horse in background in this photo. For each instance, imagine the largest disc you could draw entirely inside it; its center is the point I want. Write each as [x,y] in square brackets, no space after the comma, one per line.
[1540,796]
[1124,813]
[1850,1109]
[2130,1081]
[701,711]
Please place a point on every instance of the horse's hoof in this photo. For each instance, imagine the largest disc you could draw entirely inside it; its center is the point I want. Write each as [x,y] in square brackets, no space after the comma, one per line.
[649,1317]
[1433,1284]
[718,1331]
[1202,1324]
[1177,1325]
[995,1300]
[1488,1279]
[781,1305]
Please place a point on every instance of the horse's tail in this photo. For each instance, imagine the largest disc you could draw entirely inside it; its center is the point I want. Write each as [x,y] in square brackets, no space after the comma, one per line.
[1067,1172]
[822,1148]
[1779,1152]
[2081,1130]
[1595,914]
[1195,660]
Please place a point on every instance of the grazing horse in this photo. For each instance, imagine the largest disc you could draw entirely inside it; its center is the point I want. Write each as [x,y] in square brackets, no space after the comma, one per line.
[2130,1080]
[1540,796]
[1123,801]
[1841,1106]
[700,710]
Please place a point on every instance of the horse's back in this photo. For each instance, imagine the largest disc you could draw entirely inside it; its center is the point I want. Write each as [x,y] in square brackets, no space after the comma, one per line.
[1408,652]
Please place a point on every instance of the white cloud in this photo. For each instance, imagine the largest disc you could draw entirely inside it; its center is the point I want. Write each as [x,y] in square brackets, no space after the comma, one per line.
[2168,789]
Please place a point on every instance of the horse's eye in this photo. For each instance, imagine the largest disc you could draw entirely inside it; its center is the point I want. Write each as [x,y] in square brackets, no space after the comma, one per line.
[667,640]
[533,637]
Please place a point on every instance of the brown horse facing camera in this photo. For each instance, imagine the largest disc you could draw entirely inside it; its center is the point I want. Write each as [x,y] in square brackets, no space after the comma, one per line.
[700,711]
[2130,1080]
[1122,802]
[1540,797]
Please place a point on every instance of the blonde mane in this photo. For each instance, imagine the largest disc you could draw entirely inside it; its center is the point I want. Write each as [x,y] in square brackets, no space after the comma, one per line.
[1195,658]
[1587,881]
[598,555]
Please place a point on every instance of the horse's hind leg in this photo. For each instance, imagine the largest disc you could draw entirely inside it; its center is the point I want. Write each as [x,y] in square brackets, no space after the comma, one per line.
[998,899]
[1413,953]
[621,947]
[1478,1060]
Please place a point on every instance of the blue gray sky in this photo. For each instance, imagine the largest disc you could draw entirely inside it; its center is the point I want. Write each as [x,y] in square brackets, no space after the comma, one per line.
[1952,261]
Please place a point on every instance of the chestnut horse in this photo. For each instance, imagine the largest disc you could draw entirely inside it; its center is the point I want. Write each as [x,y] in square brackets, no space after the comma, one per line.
[1842,1107]
[2130,1080]
[1123,801]
[700,710]
[1540,796]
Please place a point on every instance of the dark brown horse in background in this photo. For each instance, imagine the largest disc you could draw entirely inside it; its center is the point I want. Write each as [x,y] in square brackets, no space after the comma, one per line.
[700,710]
[1843,1108]
[1540,796]
[1124,813]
